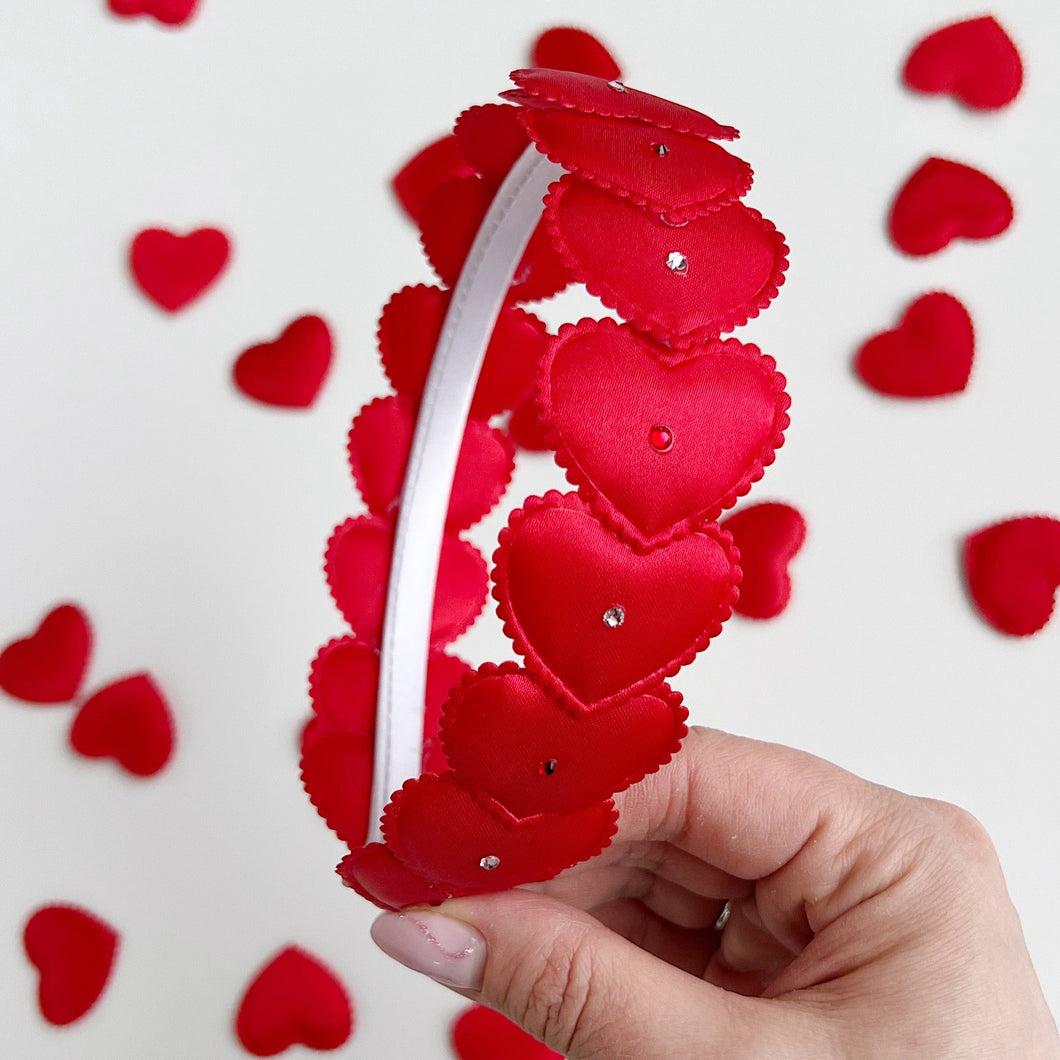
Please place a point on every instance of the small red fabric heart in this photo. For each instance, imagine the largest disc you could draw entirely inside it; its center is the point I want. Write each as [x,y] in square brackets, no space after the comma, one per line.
[506,736]
[294,1000]
[74,953]
[49,665]
[1013,571]
[943,201]
[974,61]
[595,620]
[595,95]
[929,353]
[174,270]
[338,744]
[408,334]
[491,138]
[567,48]
[465,843]
[768,536]
[674,175]
[671,282]
[290,371]
[168,12]
[374,873]
[480,1033]
[357,566]
[128,721]
[659,446]
[379,446]
[451,220]
[429,168]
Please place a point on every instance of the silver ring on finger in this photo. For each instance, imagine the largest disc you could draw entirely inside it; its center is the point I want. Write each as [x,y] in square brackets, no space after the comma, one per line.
[723,916]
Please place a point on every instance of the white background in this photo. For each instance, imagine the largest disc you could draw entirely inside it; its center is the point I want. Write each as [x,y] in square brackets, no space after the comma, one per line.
[190,522]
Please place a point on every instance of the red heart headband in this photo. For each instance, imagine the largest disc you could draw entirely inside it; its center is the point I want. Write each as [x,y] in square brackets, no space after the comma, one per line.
[605,592]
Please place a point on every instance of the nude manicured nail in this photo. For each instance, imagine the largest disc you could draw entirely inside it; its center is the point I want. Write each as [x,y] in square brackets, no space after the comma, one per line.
[446,950]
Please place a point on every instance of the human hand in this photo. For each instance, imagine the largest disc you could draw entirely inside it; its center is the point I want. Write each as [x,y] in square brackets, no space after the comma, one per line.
[862,922]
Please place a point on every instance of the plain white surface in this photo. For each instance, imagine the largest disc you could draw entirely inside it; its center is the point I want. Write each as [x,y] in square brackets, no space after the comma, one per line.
[190,522]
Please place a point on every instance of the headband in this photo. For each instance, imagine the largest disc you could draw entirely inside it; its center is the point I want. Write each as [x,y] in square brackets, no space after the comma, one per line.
[606,591]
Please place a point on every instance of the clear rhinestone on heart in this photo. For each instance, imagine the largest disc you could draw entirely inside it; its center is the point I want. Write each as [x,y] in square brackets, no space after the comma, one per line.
[549,768]
[489,862]
[617,86]
[614,616]
[677,262]
[661,150]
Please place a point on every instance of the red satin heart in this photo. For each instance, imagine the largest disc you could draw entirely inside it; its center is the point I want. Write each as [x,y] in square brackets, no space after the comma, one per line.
[408,334]
[174,270]
[294,1000]
[450,221]
[128,721]
[427,170]
[290,371]
[943,201]
[927,355]
[491,138]
[506,736]
[379,445]
[374,873]
[357,566]
[672,174]
[669,281]
[1013,571]
[658,447]
[465,843]
[595,620]
[768,536]
[338,743]
[168,12]
[49,664]
[567,48]
[74,953]
[973,61]
[480,1033]
[594,95]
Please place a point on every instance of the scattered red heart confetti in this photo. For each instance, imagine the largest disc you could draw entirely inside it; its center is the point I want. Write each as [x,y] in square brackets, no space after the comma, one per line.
[471,844]
[491,137]
[295,999]
[946,200]
[480,1033]
[174,270]
[74,952]
[427,170]
[1013,571]
[49,664]
[974,61]
[929,353]
[357,565]
[592,616]
[379,446]
[506,736]
[128,721]
[290,371]
[768,536]
[374,873]
[567,48]
[168,12]
[408,334]
[719,412]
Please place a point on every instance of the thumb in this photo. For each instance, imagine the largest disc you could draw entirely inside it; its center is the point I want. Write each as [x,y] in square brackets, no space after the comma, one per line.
[582,989]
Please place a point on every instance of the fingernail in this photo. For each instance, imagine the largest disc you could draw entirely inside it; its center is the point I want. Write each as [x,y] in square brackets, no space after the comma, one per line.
[446,950]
